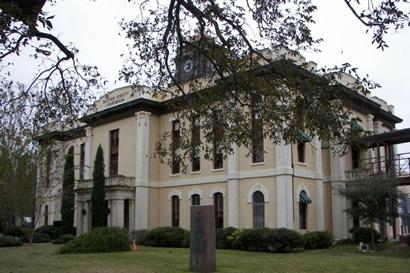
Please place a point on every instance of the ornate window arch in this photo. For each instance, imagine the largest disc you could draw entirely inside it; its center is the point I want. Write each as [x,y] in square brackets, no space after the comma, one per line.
[216,190]
[195,191]
[175,192]
[255,188]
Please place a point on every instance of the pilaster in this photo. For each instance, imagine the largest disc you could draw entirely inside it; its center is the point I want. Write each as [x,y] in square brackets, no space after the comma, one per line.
[117,212]
[319,202]
[284,186]
[142,170]
[339,203]
[87,153]
[233,188]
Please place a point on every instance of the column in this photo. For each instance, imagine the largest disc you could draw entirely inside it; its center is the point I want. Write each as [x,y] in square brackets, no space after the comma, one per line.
[284,186]
[319,202]
[87,153]
[117,212]
[233,188]
[141,170]
[339,203]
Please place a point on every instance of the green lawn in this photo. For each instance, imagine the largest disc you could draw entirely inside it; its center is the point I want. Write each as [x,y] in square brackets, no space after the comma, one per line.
[43,258]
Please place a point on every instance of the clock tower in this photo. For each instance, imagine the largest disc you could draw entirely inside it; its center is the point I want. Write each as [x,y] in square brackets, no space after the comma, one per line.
[191,63]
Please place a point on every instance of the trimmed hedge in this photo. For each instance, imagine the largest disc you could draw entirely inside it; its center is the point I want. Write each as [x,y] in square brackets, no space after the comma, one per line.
[7,241]
[408,240]
[52,231]
[318,240]
[14,231]
[364,234]
[63,239]
[167,237]
[280,240]
[37,238]
[138,236]
[224,237]
[105,239]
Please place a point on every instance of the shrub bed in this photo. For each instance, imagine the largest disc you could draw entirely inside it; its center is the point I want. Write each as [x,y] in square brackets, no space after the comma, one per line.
[6,241]
[167,237]
[267,240]
[318,240]
[52,231]
[364,234]
[63,239]
[224,237]
[37,238]
[106,239]
[138,236]
[14,231]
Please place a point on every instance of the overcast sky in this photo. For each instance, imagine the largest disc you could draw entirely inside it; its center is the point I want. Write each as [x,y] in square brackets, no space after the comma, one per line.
[93,28]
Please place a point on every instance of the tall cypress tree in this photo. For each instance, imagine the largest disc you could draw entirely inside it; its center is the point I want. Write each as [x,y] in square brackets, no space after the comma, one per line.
[67,204]
[98,193]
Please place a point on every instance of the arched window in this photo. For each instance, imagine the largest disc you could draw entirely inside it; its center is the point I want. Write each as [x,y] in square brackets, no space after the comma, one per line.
[175,211]
[219,210]
[258,201]
[304,200]
[196,200]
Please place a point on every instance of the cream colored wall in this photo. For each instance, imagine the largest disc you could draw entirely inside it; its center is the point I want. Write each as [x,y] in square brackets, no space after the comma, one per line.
[154,208]
[327,189]
[309,186]
[246,209]
[326,162]
[154,136]
[245,158]
[127,149]
[309,164]
[185,203]
[165,173]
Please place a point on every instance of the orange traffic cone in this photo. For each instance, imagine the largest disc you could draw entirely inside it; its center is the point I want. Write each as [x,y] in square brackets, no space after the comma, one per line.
[134,247]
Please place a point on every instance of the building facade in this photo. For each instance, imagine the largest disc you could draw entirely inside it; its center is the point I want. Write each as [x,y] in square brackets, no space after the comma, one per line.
[288,185]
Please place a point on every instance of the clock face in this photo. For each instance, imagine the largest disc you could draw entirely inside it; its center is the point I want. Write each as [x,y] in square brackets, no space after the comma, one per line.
[188,65]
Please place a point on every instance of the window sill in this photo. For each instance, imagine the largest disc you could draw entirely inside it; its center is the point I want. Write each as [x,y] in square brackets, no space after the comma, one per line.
[174,174]
[257,163]
[217,170]
[195,172]
[302,164]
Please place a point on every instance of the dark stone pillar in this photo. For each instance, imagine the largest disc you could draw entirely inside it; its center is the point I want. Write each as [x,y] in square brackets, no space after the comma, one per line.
[202,257]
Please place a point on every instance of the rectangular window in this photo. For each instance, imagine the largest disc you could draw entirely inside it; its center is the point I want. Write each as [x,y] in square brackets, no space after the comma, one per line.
[82,159]
[219,210]
[301,152]
[176,139]
[114,144]
[257,130]
[196,145]
[355,157]
[218,135]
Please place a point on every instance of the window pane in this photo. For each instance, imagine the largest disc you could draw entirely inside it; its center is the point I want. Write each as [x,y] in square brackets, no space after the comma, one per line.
[196,200]
[114,147]
[175,147]
[258,210]
[175,211]
[301,152]
[219,210]
[257,130]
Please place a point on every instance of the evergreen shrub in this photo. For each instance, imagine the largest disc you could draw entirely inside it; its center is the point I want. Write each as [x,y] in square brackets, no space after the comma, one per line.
[63,239]
[38,238]
[7,241]
[268,240]
[52,231]
[105,239]
[318,240]
[14,231]
[167,237]
[364,234]
[224,237]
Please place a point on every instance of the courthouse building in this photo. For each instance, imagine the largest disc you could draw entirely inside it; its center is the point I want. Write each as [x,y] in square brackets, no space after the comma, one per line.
[289,185]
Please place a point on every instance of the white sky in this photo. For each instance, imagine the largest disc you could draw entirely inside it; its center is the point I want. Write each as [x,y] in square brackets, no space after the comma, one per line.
[93,28]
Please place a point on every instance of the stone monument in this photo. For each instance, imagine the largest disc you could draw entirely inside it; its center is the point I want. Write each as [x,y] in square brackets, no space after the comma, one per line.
[202,241]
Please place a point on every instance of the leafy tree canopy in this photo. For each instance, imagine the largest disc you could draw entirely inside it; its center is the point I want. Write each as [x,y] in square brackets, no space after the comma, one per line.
[228,36]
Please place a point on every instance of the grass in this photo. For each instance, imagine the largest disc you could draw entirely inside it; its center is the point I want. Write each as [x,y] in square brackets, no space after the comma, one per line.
[345,258]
